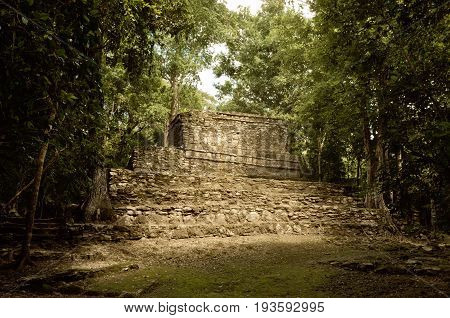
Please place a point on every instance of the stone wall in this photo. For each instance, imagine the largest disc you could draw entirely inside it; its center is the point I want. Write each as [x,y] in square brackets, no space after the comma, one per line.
[182,206]
[179,161]
[233,134]
[208,142]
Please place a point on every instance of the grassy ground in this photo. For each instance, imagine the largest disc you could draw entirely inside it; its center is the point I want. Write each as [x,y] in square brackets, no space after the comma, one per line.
[260,266]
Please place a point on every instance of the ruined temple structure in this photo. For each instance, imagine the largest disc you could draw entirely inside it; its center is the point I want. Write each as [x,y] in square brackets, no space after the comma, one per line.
[228,174]
[224,174]
[226,143]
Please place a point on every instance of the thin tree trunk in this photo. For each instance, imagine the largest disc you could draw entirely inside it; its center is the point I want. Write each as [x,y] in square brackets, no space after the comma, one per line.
[33,205]
[433,216]
[403,200]
[358,171]
[321,142]
[166,134]
[15,198]
[371,183]
[31,212]
[122,145]
[174,106]
[372,166]
[382,154]
[319,165]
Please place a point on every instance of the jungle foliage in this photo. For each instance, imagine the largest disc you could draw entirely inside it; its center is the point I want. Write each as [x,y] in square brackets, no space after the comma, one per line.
[364,84]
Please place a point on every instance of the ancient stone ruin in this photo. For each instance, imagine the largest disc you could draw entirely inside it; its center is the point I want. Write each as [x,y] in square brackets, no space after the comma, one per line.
[229,174]
[229,143]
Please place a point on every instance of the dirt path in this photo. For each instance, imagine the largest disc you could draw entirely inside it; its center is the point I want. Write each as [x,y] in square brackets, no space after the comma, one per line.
[256,266]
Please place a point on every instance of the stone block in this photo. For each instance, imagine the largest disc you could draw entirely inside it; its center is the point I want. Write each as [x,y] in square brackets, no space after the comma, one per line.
[253,217]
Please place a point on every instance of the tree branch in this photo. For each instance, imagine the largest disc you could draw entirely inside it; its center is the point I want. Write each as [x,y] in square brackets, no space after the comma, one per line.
[23,189]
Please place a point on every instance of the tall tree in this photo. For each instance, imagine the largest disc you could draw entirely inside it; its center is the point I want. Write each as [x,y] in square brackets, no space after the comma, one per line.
[265,61]
[186,50]
[385,59]
[49,60]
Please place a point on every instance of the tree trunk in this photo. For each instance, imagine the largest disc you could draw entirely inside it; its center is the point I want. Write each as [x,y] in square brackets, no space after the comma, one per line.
[174,106]
[31,212]
[375,156]
[372,166]
[403,201]
[98,204]
[122,152]
[319,165]
[358,171]
[371,194]
[166,134]
[320,144]
[433,216]
[14,201]
[384,162]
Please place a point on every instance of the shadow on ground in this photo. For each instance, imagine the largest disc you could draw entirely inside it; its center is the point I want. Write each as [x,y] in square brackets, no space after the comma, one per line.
[257,266]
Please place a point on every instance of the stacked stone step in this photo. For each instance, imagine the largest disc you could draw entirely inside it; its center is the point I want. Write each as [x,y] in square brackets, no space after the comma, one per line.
[182,206]
[12,230]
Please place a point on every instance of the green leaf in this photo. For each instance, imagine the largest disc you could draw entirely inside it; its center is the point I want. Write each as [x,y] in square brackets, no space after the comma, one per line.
[42,16]
[69,97]
[61,52]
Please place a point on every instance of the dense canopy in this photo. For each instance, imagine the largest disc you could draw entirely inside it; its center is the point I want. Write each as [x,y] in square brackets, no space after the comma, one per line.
[364,85]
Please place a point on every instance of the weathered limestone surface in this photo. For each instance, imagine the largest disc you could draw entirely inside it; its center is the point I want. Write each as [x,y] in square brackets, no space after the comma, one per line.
[229,174]
[209,142]
[230,133]
[172,160]
[182,206]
